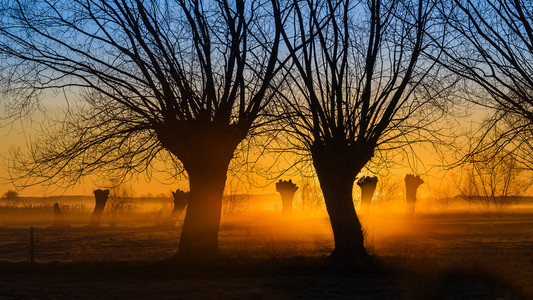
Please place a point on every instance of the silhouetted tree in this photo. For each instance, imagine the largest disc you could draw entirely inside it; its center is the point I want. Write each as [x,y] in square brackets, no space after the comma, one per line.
[490,46]
[181,198]
[10,194]
[492,182]
[233,203]
[286,189]
[412,183]
[100,197]
[179,80]
[310,197]
[368,186]
[356,67]
[120,200]
[59,220]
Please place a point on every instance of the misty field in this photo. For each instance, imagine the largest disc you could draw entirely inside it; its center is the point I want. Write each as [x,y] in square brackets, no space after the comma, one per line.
[456,255]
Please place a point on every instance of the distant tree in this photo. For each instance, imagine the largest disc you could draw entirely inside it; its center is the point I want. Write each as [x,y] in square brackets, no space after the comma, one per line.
[356,67]
[59,220]
[442,197]
[309,197]
[180,199]
[234,203]
[183,80]
[412,183]
[120,200]
[490,47]
[368,186]
[388,192]
[100,199]
[10,194]
[287,189]
[492,182]
[236,193]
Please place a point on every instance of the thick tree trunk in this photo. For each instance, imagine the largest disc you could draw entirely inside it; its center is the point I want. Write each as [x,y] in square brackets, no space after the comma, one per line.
[347,230]
[199,236]
[336,171]
[206,161]
[205,148]
[100,197]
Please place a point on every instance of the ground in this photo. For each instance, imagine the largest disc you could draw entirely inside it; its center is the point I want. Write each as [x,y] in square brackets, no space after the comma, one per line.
[448,256]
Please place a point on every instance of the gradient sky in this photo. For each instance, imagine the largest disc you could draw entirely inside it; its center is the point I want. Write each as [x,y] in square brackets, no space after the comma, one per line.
[17,135]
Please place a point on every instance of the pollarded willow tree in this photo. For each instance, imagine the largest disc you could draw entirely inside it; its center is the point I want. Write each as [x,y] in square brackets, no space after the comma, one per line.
[184,80]
[490,47]
[357,68]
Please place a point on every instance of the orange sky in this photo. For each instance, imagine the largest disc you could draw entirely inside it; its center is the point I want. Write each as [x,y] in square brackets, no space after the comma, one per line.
[17,135]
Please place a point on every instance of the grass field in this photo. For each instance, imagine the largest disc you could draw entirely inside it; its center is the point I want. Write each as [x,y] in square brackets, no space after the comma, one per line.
[448,256]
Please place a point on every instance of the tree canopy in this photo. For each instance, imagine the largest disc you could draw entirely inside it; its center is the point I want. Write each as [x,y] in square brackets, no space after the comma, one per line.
[134,70]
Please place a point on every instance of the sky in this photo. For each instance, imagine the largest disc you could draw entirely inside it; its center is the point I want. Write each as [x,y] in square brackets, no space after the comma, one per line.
[427,163]
[19,134]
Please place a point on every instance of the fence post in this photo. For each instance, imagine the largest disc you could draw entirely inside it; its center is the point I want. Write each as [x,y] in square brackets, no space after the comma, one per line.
[31,245]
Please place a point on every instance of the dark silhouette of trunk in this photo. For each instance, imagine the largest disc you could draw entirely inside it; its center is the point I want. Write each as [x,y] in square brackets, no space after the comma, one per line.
[368,186]
[199,236]
[336,167]
[286,189]
[59,220]
[205,154]
[181,199]
[100,197]
[412,183]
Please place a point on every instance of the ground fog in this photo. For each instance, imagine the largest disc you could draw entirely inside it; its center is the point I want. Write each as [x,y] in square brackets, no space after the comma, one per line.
[458,253]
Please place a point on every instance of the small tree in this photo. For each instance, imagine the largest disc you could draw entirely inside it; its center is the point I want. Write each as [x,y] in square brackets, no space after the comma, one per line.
[368,186]
[180,200]
[493,182]
[412,183]
[120,199]
[59,220]
[286,189]
[388,193]
[235,203]
[100,197]
[309,197]
[236,197]
[11,195]
[442,197]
